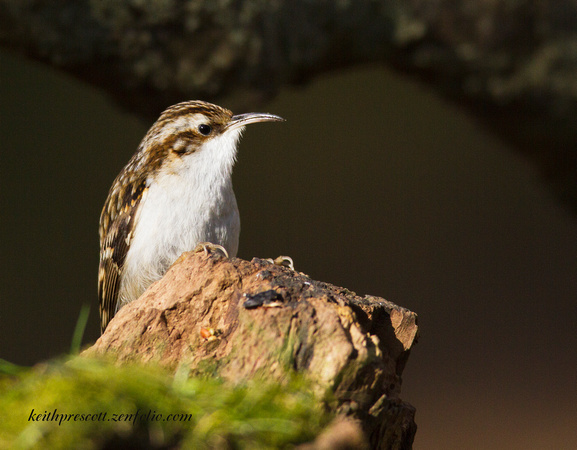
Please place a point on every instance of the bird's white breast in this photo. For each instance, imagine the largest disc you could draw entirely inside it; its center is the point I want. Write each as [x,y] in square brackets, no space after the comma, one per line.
[188,201]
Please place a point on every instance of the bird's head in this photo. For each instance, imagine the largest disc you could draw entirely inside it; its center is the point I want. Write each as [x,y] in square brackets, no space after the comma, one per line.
[195,127]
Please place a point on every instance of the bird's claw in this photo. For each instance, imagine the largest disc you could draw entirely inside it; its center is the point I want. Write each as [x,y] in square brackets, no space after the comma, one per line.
[206,246]
[285,261]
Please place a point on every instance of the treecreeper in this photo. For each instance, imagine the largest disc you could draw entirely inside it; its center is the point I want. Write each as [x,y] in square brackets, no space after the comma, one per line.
[174,195]
[170,226]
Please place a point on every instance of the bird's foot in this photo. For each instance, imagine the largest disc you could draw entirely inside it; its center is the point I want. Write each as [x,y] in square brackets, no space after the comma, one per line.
[209,246]
[285,261]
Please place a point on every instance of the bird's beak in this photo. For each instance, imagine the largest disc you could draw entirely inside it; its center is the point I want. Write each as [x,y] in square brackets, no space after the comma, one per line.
[241,120]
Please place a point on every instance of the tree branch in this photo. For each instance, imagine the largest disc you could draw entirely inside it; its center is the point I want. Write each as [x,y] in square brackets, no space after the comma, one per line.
[511,63]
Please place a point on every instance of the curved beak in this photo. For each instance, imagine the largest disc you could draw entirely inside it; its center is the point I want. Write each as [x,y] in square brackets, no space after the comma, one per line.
[241,120]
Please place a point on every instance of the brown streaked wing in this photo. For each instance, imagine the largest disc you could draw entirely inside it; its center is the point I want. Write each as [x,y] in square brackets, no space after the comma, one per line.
[114,245]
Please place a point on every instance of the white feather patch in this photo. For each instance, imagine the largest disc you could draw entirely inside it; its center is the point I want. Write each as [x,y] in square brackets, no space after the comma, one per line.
[190,200]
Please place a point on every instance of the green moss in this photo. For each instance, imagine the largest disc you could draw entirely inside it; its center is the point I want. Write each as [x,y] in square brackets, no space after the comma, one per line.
[78,403]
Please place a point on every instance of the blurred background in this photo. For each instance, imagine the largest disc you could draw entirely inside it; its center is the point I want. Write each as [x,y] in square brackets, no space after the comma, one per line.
[373,183]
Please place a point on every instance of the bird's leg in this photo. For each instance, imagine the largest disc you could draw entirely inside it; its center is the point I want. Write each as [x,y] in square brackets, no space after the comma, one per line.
[285,261]
[206,246]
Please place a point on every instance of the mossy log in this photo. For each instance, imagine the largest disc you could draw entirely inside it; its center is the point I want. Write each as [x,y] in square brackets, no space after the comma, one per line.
[242,320]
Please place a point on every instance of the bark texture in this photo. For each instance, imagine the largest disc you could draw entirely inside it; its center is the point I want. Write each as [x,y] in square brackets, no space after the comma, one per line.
[511,63]
[240,320]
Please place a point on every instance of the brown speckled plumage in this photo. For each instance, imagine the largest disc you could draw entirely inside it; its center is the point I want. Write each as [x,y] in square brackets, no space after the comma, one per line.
[129,187]
[181,195]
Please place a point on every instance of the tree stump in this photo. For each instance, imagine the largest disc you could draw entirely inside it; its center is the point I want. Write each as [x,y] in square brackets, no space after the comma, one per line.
[238,320]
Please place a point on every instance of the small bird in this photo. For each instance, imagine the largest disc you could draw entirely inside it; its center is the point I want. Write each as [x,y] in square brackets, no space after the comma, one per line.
[174,194]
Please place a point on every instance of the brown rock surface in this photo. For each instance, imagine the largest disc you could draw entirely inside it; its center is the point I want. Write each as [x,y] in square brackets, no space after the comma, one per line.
[242,319]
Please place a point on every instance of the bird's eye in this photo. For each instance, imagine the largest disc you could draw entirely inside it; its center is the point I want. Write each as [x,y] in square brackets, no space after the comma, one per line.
[204,129]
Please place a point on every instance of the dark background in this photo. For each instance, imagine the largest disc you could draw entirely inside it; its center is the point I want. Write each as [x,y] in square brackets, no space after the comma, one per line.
[373,183]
